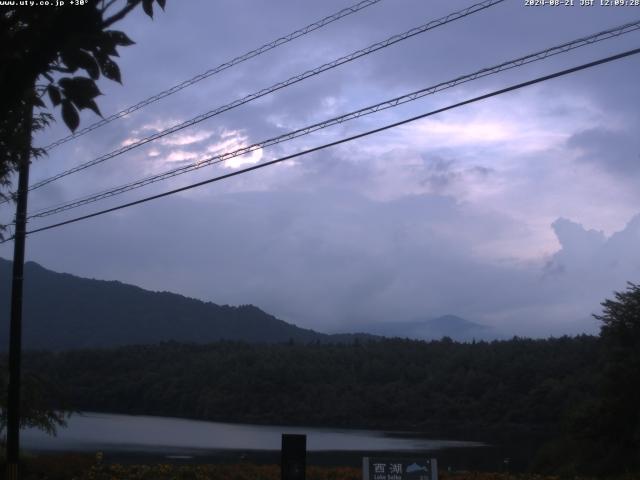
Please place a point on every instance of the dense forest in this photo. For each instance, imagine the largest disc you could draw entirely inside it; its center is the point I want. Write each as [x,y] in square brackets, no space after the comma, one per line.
[507,385]
[577,396]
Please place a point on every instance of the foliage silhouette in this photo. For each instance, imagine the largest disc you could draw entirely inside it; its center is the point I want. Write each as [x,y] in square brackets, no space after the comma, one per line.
[42,50]
[618,415]
[49,45]
[601,431]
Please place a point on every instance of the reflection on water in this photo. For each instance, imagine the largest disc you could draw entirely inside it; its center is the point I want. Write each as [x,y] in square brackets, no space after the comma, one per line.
[94,431]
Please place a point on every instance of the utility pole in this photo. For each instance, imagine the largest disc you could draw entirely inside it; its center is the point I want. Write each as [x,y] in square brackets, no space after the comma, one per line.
[15,328]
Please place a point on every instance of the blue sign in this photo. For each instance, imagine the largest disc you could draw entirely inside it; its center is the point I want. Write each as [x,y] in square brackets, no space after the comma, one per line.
[378,468]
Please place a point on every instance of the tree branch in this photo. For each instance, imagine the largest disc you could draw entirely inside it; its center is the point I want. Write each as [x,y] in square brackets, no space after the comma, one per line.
[108,5]
[120,15]
[60,69]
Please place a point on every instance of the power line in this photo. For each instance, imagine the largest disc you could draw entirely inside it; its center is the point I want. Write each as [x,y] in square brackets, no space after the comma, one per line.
[223,66]
[533,57]
[344,140]
[295,79]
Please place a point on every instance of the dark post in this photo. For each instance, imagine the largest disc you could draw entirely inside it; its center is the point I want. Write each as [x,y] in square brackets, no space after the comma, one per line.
[294,457]
[15,327]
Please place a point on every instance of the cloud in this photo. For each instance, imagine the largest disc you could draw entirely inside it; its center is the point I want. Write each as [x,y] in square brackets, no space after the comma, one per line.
[576,241]
[331,258]
[158,125]
[514,211]
[181,139]
[129,141]
[613,151]
[230,141]
[180,156]
[590,266]
[592,253]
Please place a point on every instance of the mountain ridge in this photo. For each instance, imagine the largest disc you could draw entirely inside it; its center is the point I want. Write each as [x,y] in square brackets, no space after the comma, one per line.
[63,311]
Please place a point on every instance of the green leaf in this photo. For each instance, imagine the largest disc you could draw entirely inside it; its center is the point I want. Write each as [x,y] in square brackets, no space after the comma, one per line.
[54,95]
[119,38]
[79,88]
[68,61]
[147,6]
[110,69]
[70,115]
[107,47]
[87,62]
[90,104]
[75,58]
[82,99]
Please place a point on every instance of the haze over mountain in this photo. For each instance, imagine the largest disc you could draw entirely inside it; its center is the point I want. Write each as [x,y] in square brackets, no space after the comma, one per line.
[63,311]
[451,326]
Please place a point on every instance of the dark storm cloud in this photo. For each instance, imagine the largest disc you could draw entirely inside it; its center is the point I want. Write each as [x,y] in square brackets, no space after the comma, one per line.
[614,151]
[591,263]
[453,215]
[321,258]
[331,258]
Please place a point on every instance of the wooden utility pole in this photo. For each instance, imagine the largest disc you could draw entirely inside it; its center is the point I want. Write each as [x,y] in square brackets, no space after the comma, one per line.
[15,328]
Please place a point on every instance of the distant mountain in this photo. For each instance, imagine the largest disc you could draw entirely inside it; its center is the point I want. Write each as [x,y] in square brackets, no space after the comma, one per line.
[452,326]
[62,311]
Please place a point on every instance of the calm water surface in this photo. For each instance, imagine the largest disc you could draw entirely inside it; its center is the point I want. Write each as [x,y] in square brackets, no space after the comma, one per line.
[98,431]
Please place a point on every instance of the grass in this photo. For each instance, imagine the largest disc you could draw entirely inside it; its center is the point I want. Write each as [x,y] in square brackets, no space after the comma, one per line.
[84,467]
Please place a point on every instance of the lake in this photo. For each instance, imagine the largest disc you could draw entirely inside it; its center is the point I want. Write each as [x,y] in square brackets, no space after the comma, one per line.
[146,439]
[99,431]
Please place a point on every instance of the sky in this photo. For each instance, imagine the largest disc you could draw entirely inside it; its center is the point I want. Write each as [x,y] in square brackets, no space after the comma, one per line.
[520,212]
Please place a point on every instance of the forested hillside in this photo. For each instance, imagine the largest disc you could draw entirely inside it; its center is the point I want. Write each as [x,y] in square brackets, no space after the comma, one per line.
[521,384]
[62,311]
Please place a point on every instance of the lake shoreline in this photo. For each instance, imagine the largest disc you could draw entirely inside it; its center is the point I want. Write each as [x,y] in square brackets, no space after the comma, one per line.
[448,431]
[143,439]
